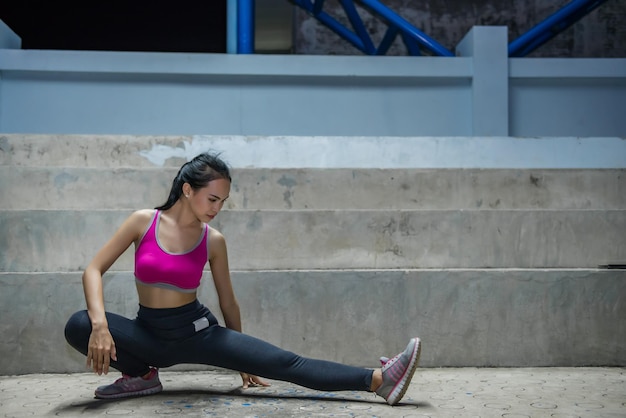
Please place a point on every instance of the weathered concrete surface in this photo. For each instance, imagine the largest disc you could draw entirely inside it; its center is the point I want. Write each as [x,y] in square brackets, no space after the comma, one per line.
[465,317]
[85,151]
[341,239]
[322,189]
[324,152]
[599,34]
[443,393]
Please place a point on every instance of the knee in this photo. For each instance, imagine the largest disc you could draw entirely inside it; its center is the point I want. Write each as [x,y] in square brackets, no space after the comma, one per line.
[78,329]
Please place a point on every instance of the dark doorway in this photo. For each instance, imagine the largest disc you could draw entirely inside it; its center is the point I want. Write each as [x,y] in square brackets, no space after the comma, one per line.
[129,25]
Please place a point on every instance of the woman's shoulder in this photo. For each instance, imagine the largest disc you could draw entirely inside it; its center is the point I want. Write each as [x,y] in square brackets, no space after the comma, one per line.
[216,241]
[143,215]
[216,244]
[140,219]
[214,234]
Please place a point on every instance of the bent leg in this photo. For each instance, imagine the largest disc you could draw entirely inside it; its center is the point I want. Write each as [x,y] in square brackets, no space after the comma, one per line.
[132,343]
[223,347]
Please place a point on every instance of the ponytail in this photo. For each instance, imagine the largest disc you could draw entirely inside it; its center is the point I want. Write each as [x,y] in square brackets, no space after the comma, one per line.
[175,192]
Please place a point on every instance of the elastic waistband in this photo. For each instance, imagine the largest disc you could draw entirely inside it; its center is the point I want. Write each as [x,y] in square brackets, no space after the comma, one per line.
[159,313]
[174,323]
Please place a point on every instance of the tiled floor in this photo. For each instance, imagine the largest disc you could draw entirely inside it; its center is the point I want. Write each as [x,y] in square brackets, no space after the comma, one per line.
[464,392]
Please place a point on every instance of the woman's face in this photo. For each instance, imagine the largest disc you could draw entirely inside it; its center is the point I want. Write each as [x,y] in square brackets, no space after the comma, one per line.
[208,201]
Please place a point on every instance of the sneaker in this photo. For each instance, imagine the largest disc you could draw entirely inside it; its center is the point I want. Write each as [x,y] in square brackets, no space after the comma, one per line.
[398,371]
[127,386]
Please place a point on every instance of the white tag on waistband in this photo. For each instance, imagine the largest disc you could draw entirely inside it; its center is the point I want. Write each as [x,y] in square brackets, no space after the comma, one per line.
[201,323]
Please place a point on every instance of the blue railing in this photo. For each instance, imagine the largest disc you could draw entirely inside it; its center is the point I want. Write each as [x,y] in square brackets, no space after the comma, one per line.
[552,26]
[245,25]
[415,40]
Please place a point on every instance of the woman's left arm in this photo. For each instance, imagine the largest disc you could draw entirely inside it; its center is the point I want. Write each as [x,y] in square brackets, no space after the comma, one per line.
[218,261]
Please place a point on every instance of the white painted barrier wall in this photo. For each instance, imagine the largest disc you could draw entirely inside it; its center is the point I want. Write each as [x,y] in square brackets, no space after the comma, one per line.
[397,152]
[478,93]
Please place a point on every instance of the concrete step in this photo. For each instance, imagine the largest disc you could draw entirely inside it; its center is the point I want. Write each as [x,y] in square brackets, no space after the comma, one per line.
[45,187]
[104,151]
[313,151]
[465,317]
[65,240]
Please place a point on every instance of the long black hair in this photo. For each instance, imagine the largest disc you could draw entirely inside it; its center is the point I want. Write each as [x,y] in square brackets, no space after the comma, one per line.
[198,173]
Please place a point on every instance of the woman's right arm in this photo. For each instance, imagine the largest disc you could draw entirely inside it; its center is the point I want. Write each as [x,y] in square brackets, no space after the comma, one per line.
[101,347]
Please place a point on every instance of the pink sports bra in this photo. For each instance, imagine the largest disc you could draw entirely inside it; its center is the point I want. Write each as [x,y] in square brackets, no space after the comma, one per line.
[157,267]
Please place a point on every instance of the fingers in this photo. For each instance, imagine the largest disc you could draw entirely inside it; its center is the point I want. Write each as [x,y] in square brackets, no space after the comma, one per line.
[246,380]
[113,353]
[92,360]
[106,361]
[109,355]
[97,362]
[252,380]
[89,358]
[258,381]
[99,358]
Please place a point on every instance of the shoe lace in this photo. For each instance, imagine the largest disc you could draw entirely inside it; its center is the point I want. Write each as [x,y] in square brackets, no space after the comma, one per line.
[389,361]
[124,378]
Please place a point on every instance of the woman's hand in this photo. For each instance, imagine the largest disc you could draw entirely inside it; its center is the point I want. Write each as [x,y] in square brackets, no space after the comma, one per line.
[101,350]
[252,380]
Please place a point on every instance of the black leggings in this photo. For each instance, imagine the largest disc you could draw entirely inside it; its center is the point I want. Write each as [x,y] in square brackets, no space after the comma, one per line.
[165,337]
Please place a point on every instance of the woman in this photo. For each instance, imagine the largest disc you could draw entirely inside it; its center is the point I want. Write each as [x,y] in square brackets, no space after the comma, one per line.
[172,245]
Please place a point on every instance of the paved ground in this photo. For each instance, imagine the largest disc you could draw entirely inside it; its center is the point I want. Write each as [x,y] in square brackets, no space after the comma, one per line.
[465,392]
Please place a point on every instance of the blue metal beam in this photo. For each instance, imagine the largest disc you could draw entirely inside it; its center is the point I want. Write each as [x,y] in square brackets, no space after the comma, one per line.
[413,38]
[388,39]
[411,45]
[407,29]
[245,26]
[359,27]
[552,26]
[360,39]
[330,22]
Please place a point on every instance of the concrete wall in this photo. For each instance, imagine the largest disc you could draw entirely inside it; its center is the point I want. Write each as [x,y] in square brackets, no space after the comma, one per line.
[501,318]
[600,34]
[490,266]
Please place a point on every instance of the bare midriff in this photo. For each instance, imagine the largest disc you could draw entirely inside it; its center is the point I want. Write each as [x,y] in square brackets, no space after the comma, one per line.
[159,298]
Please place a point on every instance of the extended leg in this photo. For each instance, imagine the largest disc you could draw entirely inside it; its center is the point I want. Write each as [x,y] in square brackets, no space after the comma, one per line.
[222,347]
